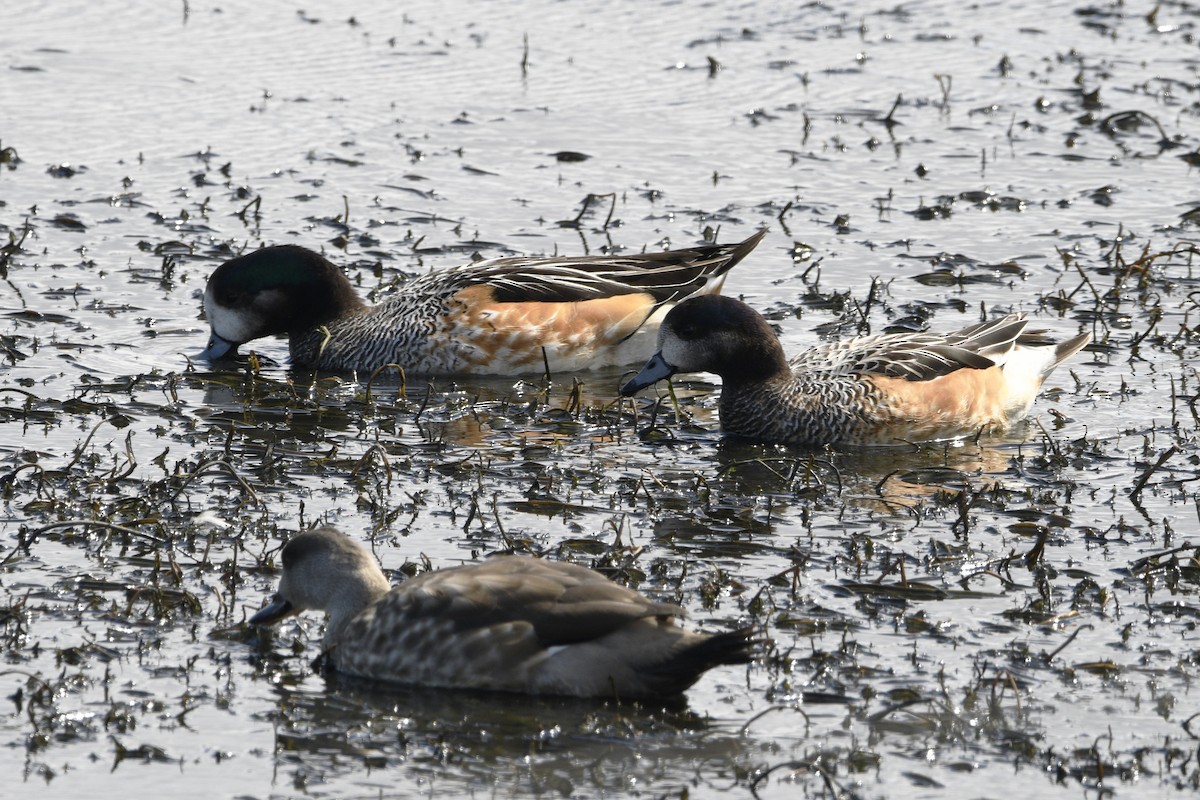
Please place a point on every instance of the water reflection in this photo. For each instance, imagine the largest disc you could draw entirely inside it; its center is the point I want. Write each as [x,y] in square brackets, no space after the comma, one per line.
[880,478]
[1022,168]
[348,731]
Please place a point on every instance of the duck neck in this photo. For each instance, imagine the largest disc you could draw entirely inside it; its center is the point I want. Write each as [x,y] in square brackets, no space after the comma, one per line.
[760,410]
[352,598]
[334,300]
[315,290]
[758,363]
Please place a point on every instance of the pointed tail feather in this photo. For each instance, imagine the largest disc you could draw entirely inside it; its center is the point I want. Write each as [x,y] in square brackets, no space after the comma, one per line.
[1070,347]
[683,669]
[704,275]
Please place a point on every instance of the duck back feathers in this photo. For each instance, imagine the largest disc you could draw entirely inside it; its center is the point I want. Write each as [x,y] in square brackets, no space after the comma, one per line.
[667,276]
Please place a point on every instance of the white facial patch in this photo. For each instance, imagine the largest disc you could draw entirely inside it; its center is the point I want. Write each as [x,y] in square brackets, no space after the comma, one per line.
[234,325]
[678,353]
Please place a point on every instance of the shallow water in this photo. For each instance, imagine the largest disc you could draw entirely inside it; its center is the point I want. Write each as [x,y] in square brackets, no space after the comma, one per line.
[969,619]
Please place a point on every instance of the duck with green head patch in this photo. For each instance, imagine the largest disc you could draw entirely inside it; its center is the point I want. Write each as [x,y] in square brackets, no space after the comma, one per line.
[509,623]
[886,389]
[501,316]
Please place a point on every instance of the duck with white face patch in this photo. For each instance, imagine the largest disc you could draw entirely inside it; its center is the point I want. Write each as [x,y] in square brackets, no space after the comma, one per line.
[874,390]
[501,316]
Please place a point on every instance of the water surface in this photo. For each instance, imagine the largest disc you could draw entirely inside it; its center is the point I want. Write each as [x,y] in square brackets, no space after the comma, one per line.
[1010,615]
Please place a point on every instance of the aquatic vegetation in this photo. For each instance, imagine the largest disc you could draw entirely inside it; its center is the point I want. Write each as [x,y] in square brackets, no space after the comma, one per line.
[942,614]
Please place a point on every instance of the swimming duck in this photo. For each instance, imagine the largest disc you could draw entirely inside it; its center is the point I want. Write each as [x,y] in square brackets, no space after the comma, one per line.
[509,623]
[885,389]
[495,317]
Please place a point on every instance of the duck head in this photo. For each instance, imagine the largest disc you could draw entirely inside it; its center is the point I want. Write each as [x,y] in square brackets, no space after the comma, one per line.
[284,289]
[324,570]
[712,333]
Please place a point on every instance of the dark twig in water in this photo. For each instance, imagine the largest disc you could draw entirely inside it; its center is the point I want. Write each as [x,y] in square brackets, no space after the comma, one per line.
[811,462]
[130,463]
[835,789]
[886,712]
[374,450]
[760,461]
[83,445]
[674,401]
[1145,476]
[944,83]
[1113,123]
[1099,300]
[575,399]
[1147,562]
[890,120]
[45,685]
[508,541]
[796,463]
[611,209]
[1038,550]
[424,402]
[781,215]
[382,368]
[7,251]
[574,223]
[96,523]
[1156,315]
[1187,725]
[962,525]
[8,479]
[1055,450]
[256,203]
[228,467]
[882,481]
[1011,682]
[807,720]
[587,203]
[15,390]
[1051,655]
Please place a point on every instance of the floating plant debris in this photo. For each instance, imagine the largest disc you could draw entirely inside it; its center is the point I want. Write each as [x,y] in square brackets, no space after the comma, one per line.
[938,613]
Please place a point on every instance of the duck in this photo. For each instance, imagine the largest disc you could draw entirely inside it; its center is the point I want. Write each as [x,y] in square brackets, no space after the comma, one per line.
[886,389]
[509,623]
[500,316]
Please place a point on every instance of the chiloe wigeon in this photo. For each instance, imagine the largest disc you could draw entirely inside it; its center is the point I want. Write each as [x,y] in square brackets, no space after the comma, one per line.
[500,316]
[885,389]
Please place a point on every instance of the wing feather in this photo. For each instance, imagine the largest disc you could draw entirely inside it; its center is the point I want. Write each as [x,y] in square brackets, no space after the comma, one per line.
[917,356]
[669,275]
[564,604]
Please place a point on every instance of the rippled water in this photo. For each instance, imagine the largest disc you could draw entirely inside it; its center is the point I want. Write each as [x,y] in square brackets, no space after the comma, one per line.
[1013,615]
